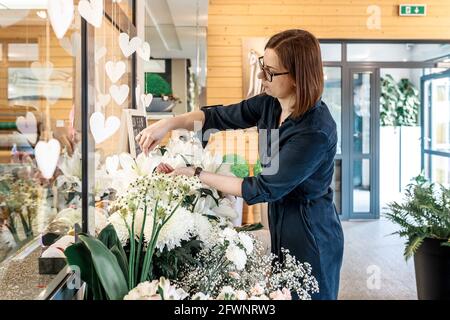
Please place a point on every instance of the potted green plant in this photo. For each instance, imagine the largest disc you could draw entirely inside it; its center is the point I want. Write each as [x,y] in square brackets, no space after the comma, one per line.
[163,98]
[424,219]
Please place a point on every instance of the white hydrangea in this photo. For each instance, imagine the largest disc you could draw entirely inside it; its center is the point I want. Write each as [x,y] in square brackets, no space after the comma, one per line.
[202,228]
[246,241]
[179,227]
[229,234]
[237,256]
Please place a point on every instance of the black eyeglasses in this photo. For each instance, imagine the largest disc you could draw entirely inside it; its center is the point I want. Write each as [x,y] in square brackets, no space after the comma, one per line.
[267,73]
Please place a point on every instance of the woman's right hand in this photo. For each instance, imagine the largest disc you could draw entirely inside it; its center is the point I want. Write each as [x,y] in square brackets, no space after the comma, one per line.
[151,136]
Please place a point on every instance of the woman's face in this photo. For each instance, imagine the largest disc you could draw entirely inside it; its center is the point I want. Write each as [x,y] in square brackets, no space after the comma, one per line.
[282,86]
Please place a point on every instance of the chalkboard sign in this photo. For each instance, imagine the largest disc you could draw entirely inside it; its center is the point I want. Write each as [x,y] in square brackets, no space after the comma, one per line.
[136,122]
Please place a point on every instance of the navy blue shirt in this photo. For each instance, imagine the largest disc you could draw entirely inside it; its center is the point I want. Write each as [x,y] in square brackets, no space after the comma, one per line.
[302,216]
[307,146]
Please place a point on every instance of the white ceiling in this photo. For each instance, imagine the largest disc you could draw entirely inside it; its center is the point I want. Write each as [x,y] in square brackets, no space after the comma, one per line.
[177,29]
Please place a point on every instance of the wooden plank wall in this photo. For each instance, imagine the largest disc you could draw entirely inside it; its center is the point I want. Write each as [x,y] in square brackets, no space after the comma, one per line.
[229,21]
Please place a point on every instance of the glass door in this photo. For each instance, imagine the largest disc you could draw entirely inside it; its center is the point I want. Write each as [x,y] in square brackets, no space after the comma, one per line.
[436,127]
[363,144]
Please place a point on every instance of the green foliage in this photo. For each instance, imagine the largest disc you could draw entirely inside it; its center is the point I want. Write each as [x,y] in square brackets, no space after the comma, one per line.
[99,267]
[156,85]
[168,264]
[239,166]
[425,213]
[250,227]
[399,102]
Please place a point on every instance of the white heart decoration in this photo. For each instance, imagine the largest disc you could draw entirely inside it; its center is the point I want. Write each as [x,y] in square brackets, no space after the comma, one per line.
[47,155]
[91,11]
[42,71]
[126,161]
[115,70]
[28,126]
[99,53]
[53,93]
[144,51]
[112,163]
[128,46]
[60,13]
[71,46]
[119,94]
[146,99]
[101,129]
[11,17]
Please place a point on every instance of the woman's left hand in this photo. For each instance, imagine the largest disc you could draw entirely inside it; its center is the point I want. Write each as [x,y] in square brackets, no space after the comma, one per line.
[185,171]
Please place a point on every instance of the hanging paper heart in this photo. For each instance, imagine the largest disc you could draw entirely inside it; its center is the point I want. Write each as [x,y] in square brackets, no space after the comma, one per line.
[53,93]
[146,99]
[60,13]
[128,46]
[99,53]
[101,129]
[42,71]
[71,46]
[28,126]
[126,161]
[119,94]
[11,17]
[47,155]
[115,70]
[144,51]
[112,164]
[91,11]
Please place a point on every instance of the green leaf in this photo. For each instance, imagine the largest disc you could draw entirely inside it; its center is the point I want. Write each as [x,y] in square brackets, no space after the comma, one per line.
[121,257]
[107,268]
[78,256]
[108,236]
[250,227]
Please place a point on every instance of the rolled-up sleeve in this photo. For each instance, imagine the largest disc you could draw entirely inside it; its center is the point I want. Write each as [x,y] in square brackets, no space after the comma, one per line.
[298,159]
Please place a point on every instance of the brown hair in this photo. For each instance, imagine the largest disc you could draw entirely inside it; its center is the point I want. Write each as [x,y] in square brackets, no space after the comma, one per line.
[299,52]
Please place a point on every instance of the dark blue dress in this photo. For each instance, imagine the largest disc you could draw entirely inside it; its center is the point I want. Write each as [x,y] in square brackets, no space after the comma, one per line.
[302,216]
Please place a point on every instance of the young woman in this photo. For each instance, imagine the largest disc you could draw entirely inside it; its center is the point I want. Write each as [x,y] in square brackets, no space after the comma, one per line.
[296,183]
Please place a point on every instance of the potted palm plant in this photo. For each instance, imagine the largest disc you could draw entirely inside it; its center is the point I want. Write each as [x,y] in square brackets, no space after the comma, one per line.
[424,219]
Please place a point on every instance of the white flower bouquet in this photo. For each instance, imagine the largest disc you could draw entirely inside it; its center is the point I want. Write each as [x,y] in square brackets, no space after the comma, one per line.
[170,237]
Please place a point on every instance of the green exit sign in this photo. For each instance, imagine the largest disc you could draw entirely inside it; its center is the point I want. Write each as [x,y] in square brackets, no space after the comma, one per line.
[413,10]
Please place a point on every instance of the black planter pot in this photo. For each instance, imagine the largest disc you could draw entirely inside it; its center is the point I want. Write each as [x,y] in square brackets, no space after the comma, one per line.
[432,265]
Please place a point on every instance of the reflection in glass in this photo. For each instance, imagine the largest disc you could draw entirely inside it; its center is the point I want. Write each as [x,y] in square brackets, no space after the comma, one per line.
[361,185]
[37,105]
[440,114]
[440,170]
[332,94]
[361,112]
[336,184]
[330,51]
[401,52]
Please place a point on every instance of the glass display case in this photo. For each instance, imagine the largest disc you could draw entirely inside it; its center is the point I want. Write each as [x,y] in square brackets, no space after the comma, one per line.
[50,89]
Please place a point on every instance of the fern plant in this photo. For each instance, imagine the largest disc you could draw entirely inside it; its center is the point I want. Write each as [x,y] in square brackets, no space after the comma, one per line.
[425,213]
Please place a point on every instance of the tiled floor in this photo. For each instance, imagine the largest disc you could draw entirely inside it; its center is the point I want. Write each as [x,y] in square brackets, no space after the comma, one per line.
[372,254]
